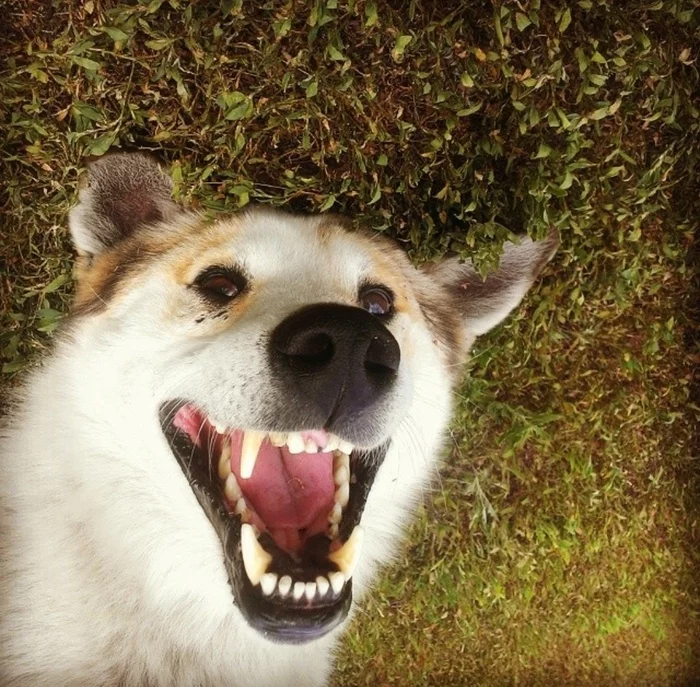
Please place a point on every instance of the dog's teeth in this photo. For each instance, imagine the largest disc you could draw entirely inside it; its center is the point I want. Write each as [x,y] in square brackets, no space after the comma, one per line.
[342,494]
[268,582]
[225,460]
[333,443]
[310,590]
[323,585]
[310,447]
[221,429]
[341,476]
[348,554]
[285,585]
[340,460]
[295,442]
[298,591]
[333,530]
[278,439]
[242,510]
[255,558]
[345,447]
[231,488]
[336,515]
[249,452]
[337,580]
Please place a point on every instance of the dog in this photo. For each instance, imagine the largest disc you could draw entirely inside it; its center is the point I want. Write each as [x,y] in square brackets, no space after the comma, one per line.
[228,440]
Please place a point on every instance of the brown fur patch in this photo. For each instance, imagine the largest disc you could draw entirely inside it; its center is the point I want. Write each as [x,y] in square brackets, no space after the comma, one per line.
[101,278]
[446,324]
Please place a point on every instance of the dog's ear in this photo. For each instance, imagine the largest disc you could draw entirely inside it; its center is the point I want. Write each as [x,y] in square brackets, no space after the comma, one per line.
[484,303]
[123,192]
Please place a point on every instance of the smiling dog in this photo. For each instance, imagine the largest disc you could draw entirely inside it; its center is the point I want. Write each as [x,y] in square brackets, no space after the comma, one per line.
[228,439]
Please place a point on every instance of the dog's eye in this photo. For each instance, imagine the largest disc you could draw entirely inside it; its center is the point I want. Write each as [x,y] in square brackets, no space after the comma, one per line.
[220,284]
[377,300]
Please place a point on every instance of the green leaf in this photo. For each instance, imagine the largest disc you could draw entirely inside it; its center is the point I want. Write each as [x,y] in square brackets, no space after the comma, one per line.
[102,144]
[56,283]
[470,110]
[382,160]
[371,13]
[400,46]
[543,151]
[83,110]
[599,113]
[160,43]
[312,89]
[86,63]
[522,20]
[466,80]
[328,203]
[564,20]
[335,54]
[115,34]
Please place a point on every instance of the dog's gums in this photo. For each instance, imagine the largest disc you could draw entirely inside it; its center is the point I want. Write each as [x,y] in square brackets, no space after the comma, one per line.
[293,501]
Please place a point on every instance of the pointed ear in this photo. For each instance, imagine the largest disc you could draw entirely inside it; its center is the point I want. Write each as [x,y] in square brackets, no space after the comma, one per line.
[123,191]
[484,303]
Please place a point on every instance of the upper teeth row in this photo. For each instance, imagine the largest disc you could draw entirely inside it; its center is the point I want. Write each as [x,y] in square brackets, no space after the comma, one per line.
[294,441]
[256,562]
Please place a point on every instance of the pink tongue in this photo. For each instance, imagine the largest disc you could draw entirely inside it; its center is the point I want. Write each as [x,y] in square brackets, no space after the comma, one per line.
[290,492]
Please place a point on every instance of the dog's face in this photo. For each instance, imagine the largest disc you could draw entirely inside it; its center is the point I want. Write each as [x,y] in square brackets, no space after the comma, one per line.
[297,370]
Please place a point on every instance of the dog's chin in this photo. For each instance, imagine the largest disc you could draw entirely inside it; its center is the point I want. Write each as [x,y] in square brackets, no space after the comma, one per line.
[287,509]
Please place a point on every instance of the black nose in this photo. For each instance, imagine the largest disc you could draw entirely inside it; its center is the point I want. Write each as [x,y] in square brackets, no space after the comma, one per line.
[339,360]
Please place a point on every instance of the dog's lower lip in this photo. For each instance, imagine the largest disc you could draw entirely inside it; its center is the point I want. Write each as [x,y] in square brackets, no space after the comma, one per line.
[287,597]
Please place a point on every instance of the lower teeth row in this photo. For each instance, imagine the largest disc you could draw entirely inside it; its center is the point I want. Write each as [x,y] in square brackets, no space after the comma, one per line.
[256,562]
[317,590]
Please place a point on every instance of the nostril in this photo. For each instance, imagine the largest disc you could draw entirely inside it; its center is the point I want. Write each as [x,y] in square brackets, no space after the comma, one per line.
[383,355]
[311,348]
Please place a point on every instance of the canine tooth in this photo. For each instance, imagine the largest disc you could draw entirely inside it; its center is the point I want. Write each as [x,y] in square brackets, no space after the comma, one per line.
[231,488]
[310,447]
[336,515]
[225,460]
[219,428]
[345,447]
[268,582]
[342,494]
[333,530]
[333,443]
[310,590]
[255,558]
[337,580]
[323,585]
[295,442]
[341,476]
[242,510]
[249,452]
[278,439]
[285,585]
[348,554]
[299,589]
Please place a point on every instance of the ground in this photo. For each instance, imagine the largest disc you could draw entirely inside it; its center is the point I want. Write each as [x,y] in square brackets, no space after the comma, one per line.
[562,542]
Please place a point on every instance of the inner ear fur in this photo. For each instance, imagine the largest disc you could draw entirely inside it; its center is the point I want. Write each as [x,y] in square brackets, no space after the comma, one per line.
[122,192]
[484,303]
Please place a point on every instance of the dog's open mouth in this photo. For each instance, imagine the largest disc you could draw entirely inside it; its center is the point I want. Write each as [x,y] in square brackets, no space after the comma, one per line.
[287,508]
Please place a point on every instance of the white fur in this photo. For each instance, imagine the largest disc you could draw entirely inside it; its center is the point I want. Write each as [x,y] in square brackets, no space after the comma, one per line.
[111,572]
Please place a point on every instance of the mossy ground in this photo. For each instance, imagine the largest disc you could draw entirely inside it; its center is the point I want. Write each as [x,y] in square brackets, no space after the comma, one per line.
[562,543]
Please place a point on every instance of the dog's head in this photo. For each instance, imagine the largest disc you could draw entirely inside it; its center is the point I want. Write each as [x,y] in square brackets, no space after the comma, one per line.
[297,371]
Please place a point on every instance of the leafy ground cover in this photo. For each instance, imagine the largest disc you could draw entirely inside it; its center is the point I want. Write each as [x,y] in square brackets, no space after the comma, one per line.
[561,544]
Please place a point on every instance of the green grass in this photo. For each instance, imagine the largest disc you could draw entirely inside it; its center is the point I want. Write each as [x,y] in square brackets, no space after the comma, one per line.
[562,543]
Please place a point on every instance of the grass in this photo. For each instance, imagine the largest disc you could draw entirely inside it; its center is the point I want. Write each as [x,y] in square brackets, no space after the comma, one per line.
[562,543]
